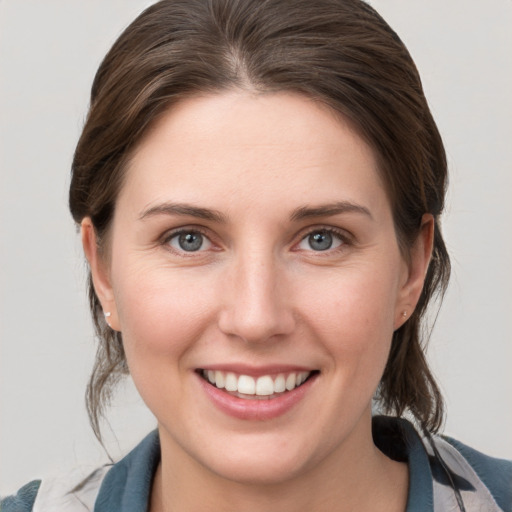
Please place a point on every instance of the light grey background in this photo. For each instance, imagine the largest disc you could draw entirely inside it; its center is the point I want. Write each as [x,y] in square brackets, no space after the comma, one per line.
[49,51]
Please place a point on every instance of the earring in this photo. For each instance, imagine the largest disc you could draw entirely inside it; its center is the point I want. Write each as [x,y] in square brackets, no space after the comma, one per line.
[107,314]
[404,314]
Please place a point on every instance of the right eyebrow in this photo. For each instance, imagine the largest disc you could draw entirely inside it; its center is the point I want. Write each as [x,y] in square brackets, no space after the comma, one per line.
[183,209]
[327,210]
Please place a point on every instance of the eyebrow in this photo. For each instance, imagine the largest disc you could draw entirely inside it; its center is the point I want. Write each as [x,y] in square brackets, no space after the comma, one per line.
[301,213]
[184,210]
[326,210]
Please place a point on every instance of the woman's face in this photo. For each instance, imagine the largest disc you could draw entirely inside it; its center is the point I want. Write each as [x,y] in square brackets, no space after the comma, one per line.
[253,245]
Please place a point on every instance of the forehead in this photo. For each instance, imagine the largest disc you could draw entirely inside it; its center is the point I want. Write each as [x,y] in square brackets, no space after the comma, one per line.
[236,145]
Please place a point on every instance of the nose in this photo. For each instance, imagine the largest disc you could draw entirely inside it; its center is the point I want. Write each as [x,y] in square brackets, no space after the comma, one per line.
[256,304]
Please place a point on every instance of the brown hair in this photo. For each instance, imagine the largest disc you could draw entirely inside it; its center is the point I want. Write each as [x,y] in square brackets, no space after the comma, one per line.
[339,52]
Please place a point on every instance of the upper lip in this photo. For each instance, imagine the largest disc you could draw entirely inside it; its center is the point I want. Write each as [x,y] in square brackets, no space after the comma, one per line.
[257,371]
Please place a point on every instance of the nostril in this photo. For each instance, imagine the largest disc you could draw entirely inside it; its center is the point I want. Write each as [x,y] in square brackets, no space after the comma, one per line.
[256,326]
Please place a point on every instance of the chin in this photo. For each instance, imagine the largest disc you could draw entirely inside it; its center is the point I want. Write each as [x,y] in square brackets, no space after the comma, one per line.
[263,460]
[259,472]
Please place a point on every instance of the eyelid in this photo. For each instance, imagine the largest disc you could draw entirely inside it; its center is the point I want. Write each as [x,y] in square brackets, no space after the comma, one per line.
[172,233]
[346,237]
[342,234]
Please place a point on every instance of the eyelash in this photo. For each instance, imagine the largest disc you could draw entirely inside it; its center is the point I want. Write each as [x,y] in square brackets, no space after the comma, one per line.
[184,231]
[341,235]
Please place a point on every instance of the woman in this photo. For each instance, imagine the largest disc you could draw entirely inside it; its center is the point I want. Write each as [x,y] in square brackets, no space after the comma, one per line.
[258,186]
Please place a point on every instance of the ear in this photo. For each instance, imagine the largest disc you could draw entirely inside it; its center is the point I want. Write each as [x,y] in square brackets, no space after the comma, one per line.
[99,272]
[417,267]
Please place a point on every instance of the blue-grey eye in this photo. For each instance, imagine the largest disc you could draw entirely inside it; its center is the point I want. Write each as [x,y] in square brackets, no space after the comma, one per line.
[321,240]
[189,241]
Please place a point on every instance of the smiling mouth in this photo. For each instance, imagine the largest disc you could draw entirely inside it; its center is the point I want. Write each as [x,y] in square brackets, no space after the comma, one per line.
[264,387]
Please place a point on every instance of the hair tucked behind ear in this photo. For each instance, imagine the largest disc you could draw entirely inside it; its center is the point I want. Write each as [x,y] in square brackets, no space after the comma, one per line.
[339,52]
[109,366]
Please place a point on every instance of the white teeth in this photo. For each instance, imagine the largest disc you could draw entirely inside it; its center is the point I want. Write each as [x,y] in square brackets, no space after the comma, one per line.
[303,376]
[219,379]
[280,384]
[231,383]
[246,385]
[291,381]
[265,386]
[261,386]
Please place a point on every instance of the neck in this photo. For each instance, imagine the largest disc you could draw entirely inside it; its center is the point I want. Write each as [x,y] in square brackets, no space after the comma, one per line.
[354,477]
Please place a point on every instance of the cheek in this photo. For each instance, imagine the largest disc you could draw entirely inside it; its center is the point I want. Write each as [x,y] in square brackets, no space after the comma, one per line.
[160,316]
[162,322]
[352,311]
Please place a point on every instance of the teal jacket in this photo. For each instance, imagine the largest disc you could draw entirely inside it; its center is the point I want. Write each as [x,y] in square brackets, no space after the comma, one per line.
[444,475]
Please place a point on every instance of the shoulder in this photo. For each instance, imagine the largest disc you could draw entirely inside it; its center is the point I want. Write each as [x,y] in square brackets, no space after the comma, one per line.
[478,481]
[445,474]
[23,500]
[72,492]
[494,473]
[124,486]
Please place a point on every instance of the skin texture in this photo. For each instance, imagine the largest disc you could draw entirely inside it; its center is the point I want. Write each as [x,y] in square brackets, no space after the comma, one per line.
[257,293]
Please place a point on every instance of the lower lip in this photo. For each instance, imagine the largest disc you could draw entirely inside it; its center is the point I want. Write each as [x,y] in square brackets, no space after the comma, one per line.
[255,409]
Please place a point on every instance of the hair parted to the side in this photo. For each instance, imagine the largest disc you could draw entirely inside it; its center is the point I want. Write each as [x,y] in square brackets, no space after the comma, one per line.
[338,52]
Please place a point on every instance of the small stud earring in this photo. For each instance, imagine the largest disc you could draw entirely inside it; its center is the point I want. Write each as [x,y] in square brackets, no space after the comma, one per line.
[107,314]
[404,314]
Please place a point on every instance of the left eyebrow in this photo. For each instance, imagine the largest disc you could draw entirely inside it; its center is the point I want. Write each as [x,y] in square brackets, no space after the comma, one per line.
[183,209]
[326,210]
